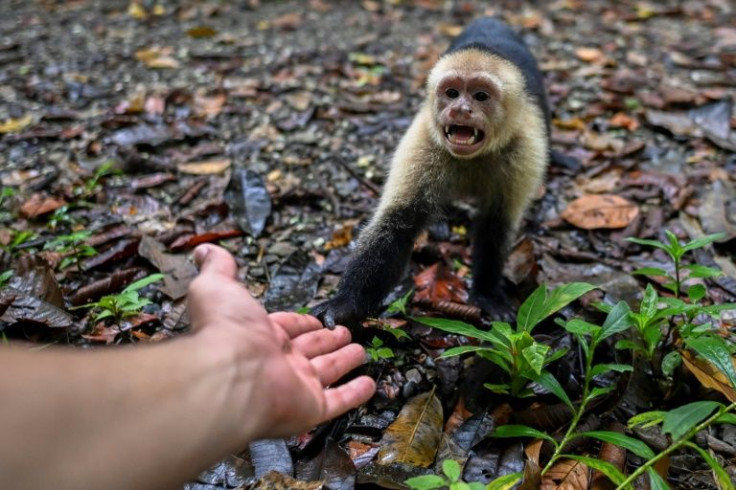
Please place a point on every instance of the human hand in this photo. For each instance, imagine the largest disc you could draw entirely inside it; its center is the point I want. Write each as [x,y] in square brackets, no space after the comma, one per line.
[282,364]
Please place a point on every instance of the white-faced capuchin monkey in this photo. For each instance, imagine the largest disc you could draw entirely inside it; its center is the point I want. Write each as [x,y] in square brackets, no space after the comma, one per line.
[481,135]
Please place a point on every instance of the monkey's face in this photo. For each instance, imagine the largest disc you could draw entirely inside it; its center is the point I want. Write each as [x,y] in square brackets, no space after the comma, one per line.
[466,106]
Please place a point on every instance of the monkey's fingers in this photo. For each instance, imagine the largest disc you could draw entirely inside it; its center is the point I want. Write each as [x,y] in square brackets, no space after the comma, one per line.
[324,314]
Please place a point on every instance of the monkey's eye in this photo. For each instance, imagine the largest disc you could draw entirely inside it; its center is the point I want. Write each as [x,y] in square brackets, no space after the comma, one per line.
[452,93]
[480,96]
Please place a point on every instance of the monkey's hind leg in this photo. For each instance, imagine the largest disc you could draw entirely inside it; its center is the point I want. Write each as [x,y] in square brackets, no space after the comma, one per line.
[490,241]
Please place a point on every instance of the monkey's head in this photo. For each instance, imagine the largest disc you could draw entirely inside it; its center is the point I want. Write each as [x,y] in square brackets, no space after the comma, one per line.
[471,96]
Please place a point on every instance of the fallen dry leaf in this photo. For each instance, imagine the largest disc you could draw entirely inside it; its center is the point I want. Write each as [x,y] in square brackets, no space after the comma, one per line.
[208,167]
[621,120]
[589,55]
[593,212]
[15,125]
[201,32]
[567,474]
[709,376]
[39,205]
[157,58]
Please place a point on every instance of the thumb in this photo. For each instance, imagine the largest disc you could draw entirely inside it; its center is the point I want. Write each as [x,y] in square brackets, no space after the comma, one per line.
[215,260]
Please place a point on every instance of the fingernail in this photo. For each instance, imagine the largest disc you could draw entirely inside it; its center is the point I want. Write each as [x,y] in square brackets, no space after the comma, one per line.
[200,253]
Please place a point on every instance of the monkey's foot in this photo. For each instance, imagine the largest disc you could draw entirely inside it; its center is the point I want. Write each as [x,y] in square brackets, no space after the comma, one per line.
[496,305]
[337,311]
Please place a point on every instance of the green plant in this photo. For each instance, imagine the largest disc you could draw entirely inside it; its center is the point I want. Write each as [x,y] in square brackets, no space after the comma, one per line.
[516,351]
[5,194]
[399,305]
[676,252]
[451,478]
[91,186]
[5,277]
[18,240]
[73,246]
[659,317]
[377,351]
[125,304]
[682,424]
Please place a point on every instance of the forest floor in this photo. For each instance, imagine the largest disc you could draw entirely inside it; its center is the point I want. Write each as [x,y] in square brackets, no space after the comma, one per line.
[130,132]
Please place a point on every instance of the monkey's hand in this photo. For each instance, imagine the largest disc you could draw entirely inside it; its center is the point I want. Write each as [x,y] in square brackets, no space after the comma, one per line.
[340,310]
[496,305]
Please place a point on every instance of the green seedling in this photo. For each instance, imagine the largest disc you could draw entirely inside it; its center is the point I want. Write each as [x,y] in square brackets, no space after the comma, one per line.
[5,277]
[18,239]
[515,350]
[125,304]
[377,351]
[74,248]
[451,478]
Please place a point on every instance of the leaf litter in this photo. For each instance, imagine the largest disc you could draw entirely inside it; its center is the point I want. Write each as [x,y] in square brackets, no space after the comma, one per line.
[176,125]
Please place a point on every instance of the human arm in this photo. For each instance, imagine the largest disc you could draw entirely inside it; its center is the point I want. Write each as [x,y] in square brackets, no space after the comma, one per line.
[153,416]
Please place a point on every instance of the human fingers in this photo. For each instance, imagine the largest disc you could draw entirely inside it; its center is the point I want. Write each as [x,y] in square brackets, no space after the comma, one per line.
[350,395]
[322,341]
[215,260]
[295,323]
[333,366]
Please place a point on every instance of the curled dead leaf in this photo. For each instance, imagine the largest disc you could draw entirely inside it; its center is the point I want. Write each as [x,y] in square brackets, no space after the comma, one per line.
[593,212]
[15,125]
[208,167]
[589,55]
[708,375]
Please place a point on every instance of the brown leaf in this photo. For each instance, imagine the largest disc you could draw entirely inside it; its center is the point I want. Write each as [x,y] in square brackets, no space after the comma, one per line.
[340,238]
[589,55]
[567,474]
[208,167]
[594,212]
[611,453]
[621,120]
[709,376]
[178,270]
[157,57]
[415,434]
[438,283]
[209,105]
[287,22]
[39,205]
[201,31]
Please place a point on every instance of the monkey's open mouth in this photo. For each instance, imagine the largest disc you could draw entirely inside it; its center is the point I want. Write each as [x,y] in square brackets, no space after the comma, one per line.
[463,135]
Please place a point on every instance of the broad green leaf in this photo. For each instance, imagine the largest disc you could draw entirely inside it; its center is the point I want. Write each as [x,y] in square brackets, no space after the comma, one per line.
[502,389]
[650,243]
[141,283]
[104,314]
[697,271]
[656,482]
[505,482]
[703,241]
[451,469]
[604,368]
[476,485]
[649,302]
[426,482]
[696,292]
[634,445]
[715,309]
[456,327]
[650,271]
[604,467]
[549,382]
[679,421]
[459,485]
[618,320]
[521,431]
[497,358]
[675,249]
[628,344]
[464,349]
[600,391]
[715,350]
[647,419]
[564,295]
[726,418]
[581,327]
[724,481]
[558,354]
[534,355]
[670,362]
[530,310]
